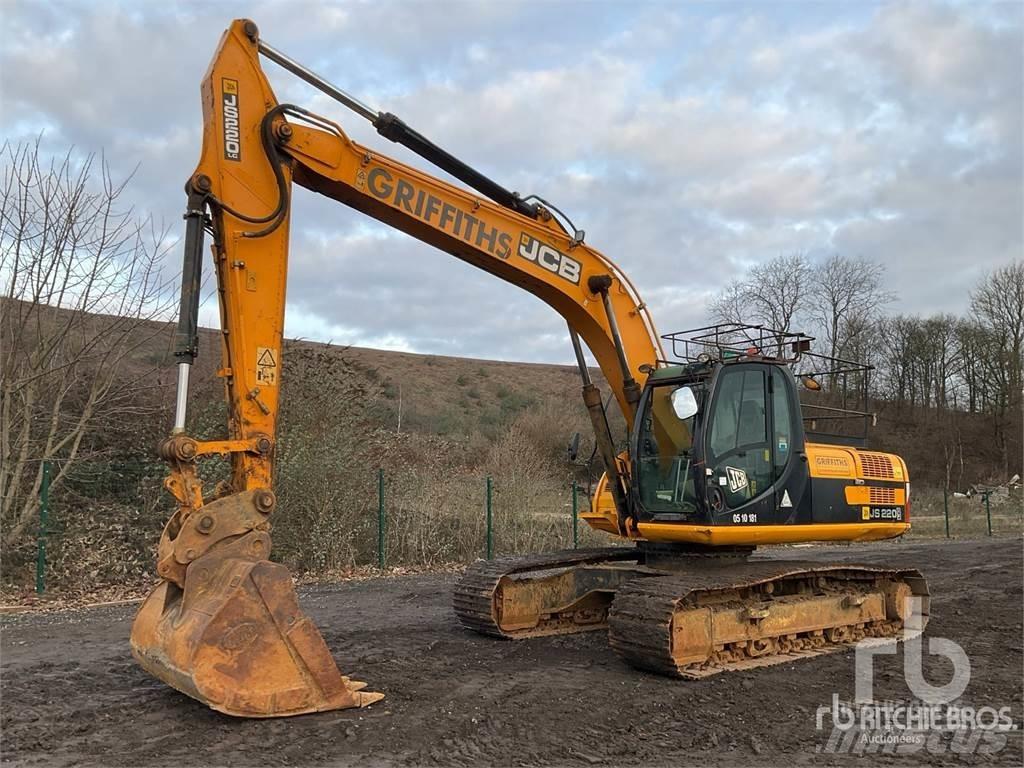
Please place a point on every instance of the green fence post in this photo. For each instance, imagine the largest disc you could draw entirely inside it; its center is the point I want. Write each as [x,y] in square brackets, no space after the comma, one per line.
[945,506]
[490,522]
[380,519]
[44,515]
[988,511]
[575,519]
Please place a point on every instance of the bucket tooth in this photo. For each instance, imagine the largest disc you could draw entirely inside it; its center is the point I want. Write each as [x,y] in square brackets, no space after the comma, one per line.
[235,639]
[366,699]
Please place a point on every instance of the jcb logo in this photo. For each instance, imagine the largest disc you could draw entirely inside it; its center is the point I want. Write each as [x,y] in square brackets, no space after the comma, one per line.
[552,260]
[232,135]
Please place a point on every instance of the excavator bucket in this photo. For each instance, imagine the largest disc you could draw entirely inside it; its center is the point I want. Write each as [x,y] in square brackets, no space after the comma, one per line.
[235,639]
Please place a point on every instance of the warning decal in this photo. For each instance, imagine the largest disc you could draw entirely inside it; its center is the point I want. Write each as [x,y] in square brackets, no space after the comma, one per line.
[266,366]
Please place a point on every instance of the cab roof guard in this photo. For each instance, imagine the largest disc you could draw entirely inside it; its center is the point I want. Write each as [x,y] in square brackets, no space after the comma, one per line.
[838,411]
[732,342]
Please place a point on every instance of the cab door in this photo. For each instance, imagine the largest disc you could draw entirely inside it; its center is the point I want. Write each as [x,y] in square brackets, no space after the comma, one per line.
[739,458]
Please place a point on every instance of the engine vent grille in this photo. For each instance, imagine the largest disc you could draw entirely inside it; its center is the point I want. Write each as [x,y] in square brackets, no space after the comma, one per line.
[876,465]
[882,496]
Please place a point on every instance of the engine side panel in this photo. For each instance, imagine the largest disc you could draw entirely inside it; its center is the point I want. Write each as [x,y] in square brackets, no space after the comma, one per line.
[852,486]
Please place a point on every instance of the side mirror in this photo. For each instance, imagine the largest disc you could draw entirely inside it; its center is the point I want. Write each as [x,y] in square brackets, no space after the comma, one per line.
[574,447]
[684,403]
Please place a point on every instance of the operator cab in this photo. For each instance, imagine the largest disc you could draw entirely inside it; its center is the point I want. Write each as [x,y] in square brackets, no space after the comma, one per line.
[720,437]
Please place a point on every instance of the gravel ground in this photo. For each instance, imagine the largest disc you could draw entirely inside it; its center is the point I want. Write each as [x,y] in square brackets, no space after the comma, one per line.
[72,695]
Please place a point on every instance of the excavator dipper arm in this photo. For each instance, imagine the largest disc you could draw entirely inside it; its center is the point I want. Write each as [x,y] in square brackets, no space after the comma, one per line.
[224,625]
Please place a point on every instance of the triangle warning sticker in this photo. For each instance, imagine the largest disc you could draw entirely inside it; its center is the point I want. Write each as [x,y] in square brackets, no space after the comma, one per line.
[785,500]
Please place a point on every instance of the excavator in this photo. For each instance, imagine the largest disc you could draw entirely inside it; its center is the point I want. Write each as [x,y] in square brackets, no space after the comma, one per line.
[718,458]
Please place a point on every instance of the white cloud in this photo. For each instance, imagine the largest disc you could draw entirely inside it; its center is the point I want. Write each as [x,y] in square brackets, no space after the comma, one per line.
[689,141]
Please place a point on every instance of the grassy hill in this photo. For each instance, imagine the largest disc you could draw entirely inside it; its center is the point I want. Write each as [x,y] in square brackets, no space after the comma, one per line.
[437,426]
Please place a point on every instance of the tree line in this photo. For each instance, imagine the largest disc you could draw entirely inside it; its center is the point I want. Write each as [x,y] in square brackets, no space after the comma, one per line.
[947,369]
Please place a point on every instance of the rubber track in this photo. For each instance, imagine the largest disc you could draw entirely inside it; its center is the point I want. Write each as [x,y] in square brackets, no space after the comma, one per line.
[640,617]
[473,600]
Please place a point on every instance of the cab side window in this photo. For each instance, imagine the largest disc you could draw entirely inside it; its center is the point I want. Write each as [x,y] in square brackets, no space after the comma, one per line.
[783,421]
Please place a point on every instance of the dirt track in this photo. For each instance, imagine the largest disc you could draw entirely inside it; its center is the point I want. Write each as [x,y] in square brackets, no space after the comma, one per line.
[71,694]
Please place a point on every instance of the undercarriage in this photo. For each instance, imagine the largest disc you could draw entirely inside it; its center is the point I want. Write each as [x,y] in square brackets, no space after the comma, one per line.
[690,611]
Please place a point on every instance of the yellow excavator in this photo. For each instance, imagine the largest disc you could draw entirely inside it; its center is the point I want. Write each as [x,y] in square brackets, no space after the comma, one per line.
[718,460]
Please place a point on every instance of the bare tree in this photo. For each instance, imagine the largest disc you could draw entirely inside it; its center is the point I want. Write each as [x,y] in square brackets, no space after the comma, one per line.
[998,307]
[730,305]
[846,297]
[771,295]
[971,343]
[81,275]
[898,340]
[998,304]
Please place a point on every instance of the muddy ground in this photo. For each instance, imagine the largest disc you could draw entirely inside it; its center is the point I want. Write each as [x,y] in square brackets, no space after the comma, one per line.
[71,694]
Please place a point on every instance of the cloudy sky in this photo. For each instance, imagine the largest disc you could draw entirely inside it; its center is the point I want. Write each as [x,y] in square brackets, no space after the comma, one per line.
[689,140]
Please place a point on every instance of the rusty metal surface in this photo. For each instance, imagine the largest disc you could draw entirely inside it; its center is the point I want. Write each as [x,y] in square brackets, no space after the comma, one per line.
[224,625]
[691,616]
[475,601]
[643,618]
[236,640]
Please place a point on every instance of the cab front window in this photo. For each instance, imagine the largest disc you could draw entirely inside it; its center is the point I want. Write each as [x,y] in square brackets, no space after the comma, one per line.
[665,453]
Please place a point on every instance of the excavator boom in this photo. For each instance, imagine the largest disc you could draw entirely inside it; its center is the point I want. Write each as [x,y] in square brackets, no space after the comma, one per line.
[223,625]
